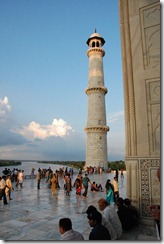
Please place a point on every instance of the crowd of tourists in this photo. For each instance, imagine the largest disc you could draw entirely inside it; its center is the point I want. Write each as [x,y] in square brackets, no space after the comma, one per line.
[6,183]
[108,223]
[114,216]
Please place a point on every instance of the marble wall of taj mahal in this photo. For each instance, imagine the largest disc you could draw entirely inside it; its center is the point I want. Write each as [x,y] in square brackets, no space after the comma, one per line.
[140,41]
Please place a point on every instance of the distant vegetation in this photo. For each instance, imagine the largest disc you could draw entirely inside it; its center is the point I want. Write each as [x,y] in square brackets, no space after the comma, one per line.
[113,165]
[117,165]
[76,164]
[80,164]
[5,163]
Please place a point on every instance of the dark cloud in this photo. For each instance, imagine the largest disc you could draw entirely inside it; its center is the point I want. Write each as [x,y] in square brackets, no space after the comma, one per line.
[8,138]
[69,148]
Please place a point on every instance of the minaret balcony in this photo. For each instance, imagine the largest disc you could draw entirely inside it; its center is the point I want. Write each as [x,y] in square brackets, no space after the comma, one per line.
[96,89]
[94,50]
[97,129]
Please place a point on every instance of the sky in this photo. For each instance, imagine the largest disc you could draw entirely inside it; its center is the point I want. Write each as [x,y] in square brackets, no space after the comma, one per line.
[44,74]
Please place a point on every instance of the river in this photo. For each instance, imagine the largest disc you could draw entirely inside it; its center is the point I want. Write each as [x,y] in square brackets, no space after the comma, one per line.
[27,166]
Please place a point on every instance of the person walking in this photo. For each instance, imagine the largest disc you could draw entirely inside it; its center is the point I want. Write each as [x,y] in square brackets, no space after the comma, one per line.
[68,184]
[53,184]
[109,192]
[2,190]
[107,184]
[8,188]
[57,180]
[68,234]
[78,185]
[85,180]
[122,173]
[19,179]
[38,179]
[116,190]
[32,173]
[100,170]
[116,174]
[15,175]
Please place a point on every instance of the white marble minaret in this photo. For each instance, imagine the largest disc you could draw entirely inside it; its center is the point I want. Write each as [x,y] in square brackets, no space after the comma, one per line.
[96,129]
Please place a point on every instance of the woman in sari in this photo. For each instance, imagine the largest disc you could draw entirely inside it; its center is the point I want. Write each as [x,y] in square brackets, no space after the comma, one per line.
[53,184]
[109,194]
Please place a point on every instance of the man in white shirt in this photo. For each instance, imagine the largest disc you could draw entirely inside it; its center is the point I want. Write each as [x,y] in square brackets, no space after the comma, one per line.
[68,234]
[110,214]
[116,190]
[2,190]
[20,178]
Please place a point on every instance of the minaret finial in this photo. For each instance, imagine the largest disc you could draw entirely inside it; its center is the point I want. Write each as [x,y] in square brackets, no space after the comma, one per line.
[95,30]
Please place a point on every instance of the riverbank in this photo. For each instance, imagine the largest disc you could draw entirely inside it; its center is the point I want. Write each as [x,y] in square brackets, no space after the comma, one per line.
[76,165]
[27,167]
[4,163]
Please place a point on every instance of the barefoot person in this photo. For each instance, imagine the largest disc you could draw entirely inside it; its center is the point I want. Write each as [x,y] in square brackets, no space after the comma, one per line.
[86,181]
[8,188]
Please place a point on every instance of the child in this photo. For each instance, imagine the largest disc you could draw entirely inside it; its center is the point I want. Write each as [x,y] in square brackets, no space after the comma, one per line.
[78,191]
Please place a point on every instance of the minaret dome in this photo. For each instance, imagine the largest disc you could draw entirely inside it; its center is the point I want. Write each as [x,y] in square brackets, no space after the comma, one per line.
[95,40]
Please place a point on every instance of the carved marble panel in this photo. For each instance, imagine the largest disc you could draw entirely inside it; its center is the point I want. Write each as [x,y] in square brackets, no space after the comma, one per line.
[153,109]
[150,31]
[150,186]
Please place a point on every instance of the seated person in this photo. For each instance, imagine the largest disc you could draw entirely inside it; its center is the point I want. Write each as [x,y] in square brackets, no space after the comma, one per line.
[99,232]
[133,209]
[94,187]
[99,187]
[155,211]
[106,223]
[126,217]
[67,232]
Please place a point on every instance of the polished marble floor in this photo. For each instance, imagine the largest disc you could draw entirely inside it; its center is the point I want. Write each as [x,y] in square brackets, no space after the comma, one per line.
[33,215]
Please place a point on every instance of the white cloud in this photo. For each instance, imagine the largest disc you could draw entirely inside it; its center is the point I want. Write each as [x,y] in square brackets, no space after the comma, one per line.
[42,142]
[4,106]
[58,128]
[117,116]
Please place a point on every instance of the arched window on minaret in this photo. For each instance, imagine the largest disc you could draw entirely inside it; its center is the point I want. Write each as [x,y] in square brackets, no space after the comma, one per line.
[93,44]
[97,44]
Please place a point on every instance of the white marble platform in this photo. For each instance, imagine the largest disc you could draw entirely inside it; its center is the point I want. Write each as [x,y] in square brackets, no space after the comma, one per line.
[33,215]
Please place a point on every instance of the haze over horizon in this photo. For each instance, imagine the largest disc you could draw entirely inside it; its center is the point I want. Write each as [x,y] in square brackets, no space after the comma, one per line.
[44,74]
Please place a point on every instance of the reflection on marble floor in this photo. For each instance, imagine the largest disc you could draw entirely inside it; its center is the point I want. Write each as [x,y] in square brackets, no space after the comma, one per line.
[34,214]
